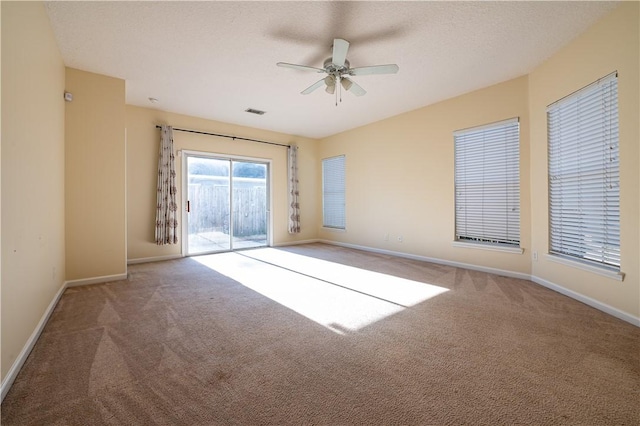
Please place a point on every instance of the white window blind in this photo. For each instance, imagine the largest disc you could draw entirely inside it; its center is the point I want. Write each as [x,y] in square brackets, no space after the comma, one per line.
[584,177]
[487,183]
[333,198]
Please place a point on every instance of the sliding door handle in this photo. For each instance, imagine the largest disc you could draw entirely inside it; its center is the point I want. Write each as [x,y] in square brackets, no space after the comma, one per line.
[188,206]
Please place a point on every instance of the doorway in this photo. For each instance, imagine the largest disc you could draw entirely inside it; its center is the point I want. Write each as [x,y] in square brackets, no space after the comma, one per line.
[227,203]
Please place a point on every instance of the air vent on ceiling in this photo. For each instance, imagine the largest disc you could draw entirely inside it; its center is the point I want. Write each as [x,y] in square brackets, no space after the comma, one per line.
[255,111]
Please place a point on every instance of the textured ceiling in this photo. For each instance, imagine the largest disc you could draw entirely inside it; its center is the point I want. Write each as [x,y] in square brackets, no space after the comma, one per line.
[216,59]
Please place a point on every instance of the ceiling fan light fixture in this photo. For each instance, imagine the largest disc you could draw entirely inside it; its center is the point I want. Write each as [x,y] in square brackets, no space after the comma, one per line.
[330,81]
[346,83]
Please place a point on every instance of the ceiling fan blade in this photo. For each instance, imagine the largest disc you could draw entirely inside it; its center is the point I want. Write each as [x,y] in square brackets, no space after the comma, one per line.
[352,87]
[313,87]
[299,67]
[340,49]
[376,69]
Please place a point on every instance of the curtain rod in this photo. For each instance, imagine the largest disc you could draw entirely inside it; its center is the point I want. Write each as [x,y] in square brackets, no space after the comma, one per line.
[225,136]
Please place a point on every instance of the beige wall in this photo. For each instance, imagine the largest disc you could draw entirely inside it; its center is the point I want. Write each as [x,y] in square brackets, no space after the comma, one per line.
[33,256]
[611,44]
[95,176]
[142,164]
[399,177]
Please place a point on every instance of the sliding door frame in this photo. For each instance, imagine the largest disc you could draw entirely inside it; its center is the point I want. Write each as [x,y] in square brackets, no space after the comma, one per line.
[185,154]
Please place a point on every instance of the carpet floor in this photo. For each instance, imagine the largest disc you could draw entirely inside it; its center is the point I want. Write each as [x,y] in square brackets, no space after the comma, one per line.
[319,334]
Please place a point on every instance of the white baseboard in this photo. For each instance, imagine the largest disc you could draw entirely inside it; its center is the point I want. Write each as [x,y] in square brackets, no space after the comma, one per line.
[26,350]
[588,301]
[96,280]
[179,256]
[295,243]
[548,284]
[495,271]
[154,259]
[22,357]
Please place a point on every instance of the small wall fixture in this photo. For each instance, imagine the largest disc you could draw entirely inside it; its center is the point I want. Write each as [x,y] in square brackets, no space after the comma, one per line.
[153,100]
[254,111]
[68,96]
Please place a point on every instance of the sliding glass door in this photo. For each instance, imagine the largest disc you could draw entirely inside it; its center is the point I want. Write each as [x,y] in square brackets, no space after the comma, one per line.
[248,204]
[227,205]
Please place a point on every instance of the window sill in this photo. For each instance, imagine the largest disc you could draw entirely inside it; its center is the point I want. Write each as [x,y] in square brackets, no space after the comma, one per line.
[615,275]
[328,228]
[490,247]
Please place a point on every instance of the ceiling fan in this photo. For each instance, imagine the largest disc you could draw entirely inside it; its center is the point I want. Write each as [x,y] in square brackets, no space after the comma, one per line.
[338,70]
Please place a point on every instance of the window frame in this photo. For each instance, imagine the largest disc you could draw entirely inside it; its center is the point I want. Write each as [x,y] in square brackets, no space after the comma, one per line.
[565,242]
[338,195]
[507,238]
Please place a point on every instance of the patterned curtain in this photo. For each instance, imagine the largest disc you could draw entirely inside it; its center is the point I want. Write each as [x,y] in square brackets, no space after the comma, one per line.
[294,206]
[167,208]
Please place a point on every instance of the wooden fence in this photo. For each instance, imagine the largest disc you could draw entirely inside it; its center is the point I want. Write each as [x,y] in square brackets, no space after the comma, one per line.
[210,209]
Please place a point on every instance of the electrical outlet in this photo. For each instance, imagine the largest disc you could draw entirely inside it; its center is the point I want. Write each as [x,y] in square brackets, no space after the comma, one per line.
[400,238]
[386,237]
[535,256]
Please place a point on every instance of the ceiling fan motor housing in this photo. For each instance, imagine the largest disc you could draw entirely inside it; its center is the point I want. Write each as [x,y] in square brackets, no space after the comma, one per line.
[334,69]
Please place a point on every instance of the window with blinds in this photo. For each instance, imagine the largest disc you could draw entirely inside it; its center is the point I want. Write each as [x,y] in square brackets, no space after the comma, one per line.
[584,177]
[333,193]
[487,183]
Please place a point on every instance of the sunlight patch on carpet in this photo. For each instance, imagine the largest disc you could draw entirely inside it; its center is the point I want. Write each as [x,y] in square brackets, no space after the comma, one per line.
[341,298]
